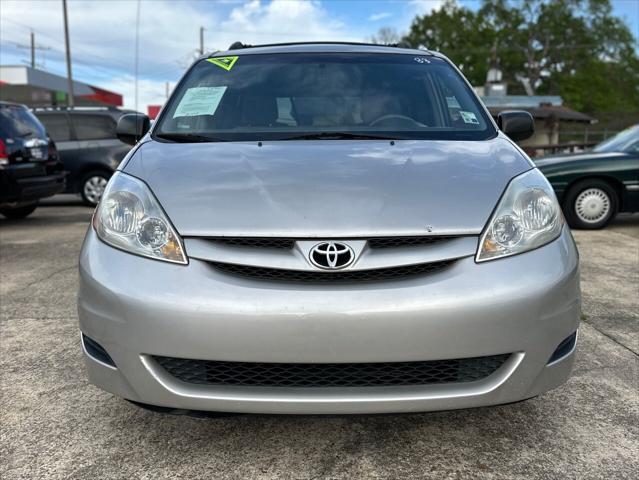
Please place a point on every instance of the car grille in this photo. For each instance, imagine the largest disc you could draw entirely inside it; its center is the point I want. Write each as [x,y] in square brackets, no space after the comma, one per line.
[378,274]
[289,243]
[209,372]
[256,242]
[393,242]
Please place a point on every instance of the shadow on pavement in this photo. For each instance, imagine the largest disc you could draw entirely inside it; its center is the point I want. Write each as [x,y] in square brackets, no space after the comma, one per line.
[64,200]
[53,211]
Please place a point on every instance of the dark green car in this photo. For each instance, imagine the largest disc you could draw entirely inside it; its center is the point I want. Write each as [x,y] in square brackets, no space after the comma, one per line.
[594,186]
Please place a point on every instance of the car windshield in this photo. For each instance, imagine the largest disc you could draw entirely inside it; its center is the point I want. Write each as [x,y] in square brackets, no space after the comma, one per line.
[323,96]
[625,141]
[18,122]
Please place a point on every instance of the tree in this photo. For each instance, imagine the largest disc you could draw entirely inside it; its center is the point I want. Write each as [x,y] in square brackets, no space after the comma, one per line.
[567,47]
[459,33]
[385,36]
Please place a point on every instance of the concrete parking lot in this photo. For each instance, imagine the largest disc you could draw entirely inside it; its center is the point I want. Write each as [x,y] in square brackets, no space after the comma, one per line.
[56,425]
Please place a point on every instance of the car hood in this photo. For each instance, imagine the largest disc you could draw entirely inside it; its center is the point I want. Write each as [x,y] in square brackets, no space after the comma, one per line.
[575,157]
[328,188]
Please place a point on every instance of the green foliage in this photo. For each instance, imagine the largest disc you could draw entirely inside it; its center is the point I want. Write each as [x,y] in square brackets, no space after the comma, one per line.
[573,48]
[459,33]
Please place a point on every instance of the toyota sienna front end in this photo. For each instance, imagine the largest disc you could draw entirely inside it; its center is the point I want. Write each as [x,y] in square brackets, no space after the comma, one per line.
[327,228]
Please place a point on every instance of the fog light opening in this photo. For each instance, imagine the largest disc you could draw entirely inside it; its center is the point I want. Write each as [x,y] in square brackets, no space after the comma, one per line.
[97,352]
[564,349]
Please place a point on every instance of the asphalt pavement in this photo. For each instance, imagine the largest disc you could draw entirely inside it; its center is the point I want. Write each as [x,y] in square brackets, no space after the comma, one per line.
[54,424]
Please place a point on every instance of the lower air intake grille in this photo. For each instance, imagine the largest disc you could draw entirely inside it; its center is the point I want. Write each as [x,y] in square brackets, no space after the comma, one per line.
[379,274]
[208,372]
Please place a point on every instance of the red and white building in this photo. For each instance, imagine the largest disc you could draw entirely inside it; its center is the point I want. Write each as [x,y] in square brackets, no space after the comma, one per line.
[37,88]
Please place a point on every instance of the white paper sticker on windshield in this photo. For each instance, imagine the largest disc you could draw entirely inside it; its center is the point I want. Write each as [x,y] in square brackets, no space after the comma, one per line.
[199,101]
[452,102]
[469,117]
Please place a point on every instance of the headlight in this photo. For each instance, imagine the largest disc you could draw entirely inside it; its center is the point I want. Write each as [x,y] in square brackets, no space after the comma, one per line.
[129,217]
[527,217]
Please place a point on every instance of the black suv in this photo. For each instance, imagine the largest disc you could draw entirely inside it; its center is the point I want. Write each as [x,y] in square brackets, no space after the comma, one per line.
[88,146]
[30,168]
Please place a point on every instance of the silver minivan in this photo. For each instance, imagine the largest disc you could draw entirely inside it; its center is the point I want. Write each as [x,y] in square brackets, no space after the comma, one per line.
[327,228]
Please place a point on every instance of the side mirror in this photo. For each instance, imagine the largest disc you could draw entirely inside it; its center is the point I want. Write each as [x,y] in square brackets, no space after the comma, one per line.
[132,127]
[517,124]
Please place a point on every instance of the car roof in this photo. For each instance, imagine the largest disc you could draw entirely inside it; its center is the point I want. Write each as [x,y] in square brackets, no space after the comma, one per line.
[112,112]
[320,47]
[12,104]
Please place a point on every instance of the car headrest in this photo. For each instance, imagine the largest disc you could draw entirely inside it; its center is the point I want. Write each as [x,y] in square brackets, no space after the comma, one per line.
[376,105]
[259,111]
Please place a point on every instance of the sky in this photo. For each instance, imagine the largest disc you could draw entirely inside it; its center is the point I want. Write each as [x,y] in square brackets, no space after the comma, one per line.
[103,33]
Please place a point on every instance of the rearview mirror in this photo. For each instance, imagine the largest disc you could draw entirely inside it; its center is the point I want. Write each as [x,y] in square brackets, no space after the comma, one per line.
[517,124]
[132,127]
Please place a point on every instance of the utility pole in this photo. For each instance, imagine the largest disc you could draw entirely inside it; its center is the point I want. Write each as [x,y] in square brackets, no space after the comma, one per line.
[201,40]
[32,50]
[70,99]
[137,50]
[167,90]
[32,47]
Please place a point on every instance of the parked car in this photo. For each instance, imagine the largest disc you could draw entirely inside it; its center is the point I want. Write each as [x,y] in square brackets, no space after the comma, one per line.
[29,165]
[594,186]
[88,146]
[327,228]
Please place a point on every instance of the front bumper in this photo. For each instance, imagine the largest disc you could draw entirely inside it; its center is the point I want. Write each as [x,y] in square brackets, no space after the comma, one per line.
[136,308]
[27,189]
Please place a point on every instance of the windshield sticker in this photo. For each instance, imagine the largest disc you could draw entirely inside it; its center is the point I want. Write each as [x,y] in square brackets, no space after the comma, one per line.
[224,62]
[199,101]
[452,102]
[469,117]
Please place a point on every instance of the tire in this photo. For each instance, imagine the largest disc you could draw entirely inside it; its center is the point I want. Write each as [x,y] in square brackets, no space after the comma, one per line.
[92,186]
[590,204]
[19,212]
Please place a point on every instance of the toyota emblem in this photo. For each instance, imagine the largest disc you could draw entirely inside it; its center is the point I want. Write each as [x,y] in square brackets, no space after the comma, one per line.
[332,255]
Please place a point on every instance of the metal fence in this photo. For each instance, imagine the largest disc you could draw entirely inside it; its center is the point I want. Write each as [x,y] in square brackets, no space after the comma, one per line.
[572,142]
[586,135]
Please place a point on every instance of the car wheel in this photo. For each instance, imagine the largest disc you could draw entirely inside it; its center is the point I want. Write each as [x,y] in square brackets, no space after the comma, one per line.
[92,187]
[590,204]
[19,212]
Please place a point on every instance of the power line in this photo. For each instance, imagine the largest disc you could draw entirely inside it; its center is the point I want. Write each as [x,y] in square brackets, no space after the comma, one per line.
[105,71]
[32,47]
[61,44]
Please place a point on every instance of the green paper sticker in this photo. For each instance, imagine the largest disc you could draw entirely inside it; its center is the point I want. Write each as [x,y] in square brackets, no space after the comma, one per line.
[469,117]
[224,62]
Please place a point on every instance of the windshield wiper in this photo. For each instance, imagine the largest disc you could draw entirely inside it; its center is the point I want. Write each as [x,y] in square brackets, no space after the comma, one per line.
[187,137]
[197,138]
[339,136]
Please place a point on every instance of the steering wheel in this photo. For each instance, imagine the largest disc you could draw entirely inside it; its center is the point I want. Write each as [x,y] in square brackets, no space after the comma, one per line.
[393,116]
